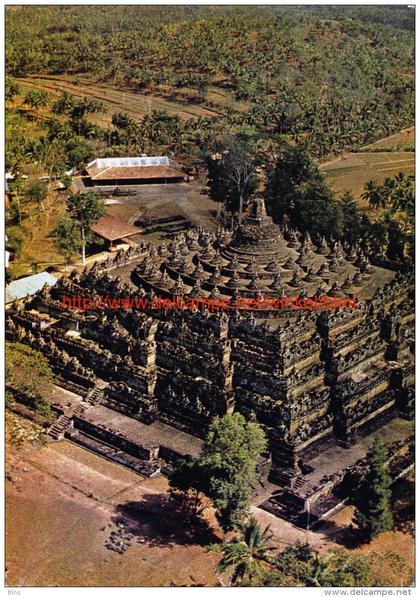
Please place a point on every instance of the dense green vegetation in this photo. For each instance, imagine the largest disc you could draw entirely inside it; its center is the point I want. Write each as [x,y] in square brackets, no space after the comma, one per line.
[28,373]
[232,163]
[252,558]
[373,500]
[294,84]
[84,209]
[329,78]
[224,472]
[298,194]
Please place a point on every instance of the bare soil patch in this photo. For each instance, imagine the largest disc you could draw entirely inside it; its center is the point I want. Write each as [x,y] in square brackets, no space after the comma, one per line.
[57,532]
[397,141]
[63,503]
[163,210]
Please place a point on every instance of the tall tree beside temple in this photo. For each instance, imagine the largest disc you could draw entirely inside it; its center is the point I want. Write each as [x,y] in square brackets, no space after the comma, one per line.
[225,471]
[298,191]
[231,453]
[373,499]
[231,163]
[85,209]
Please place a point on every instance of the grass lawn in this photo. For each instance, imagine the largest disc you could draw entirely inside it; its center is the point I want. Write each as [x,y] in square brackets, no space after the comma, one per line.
[36,229]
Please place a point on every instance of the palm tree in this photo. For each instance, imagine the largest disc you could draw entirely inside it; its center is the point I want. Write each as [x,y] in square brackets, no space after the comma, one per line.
[64,104]
[401,189]
[374,195]
[36,98]
[247,555]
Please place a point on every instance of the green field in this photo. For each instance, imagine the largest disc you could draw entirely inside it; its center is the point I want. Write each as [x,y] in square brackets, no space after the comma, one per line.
[398,142]
[352,171]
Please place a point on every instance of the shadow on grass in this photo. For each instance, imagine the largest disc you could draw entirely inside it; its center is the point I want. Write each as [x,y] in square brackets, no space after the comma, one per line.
[160,522]
[403,510]
[349,537]
[403,505]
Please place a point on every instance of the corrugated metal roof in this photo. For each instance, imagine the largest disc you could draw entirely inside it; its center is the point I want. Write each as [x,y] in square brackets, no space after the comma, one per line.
[161,160]
[28,286]
[146,167]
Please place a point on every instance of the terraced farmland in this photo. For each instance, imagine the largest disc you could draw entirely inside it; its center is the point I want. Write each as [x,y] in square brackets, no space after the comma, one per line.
[135,104]
[396,142]
[352,171]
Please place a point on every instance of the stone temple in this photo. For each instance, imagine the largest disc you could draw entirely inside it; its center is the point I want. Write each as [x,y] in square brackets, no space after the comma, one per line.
[142,386]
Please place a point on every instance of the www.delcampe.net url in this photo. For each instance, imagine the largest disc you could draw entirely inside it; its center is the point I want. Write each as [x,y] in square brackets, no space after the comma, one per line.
[368,592]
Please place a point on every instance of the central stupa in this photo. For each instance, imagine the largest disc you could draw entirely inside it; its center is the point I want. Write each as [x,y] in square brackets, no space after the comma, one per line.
[257,237]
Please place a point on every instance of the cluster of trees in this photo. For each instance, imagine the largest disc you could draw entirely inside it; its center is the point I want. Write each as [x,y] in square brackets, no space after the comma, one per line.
[373,498]
[223,477]
[396,193]
[298,194]
[29,374]
[312,86]
[395,199]
[65,143]
[24,192]
[253,559]
[155,81]
[70,139]
[73,232]
[330,80]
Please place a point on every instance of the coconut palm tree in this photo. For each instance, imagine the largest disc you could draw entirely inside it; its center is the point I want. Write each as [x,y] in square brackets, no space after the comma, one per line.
[247,555]
[36,98]
[374,195]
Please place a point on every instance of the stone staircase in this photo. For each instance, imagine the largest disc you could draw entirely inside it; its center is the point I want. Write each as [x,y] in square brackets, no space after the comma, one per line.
[297,483]
[287,503]
[60,427]
[64,422]
[281,476]
[95,396]
[287,506]
[146,468]
[80,409]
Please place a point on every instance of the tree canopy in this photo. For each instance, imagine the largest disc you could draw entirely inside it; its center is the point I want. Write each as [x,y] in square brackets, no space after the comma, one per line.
[231,163]
[67,237]
[297,192]
[27,370]
[226,469]
[328,78]
[85,209]
[373,499]
[254,558]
